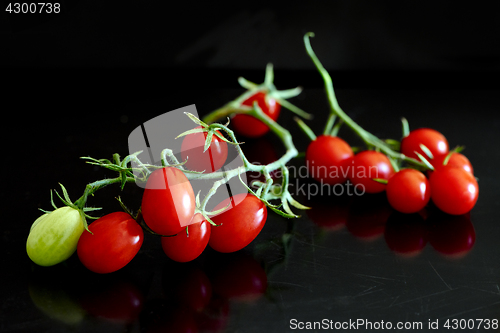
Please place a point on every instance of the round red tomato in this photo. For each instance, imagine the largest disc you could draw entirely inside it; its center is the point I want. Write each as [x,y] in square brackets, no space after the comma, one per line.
[454,190]
[327,159]
[432,139]
[456,160]
[209,161]
[408,191]
[168,201]
[367,165]
[115,240]
[239,225]
[251,127]
[187,246]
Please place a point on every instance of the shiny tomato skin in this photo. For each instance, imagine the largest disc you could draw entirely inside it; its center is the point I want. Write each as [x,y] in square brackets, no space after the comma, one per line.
[367,165]
[456,160]
[454,190]
[209,161]
[115,240]
[432,139]
[239,225]
[185,247]
[168,201]
[408,191]
[326,159]
[251,127]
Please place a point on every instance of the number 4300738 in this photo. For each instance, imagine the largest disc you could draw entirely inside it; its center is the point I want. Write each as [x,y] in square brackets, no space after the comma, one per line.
[33,8]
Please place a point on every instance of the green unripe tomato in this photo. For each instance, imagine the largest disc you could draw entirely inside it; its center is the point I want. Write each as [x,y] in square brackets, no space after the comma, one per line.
[53,237]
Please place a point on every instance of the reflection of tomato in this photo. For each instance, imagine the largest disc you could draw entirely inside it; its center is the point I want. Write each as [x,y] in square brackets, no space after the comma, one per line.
[368,215]
[453,236]
[189,285]
[239,277]
[211,160]
[214,317]
[328,213]
[250,126]
[117,301]
[187,246]
[239,224]
[406,234]
[168,201]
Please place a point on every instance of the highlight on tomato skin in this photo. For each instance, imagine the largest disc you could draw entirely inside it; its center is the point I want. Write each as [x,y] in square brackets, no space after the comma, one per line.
[456,160]
[434,141]
[168,202]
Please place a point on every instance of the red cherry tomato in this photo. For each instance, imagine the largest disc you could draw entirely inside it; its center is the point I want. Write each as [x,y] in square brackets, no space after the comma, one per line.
[209,161]
[456,160]
[454,190]
[326,159]
[406,234]
[432,139]
[239,225]
[168,201]
[251,127]
[452,236]
[367,165]
[115,240]
[187,246]
[408,191]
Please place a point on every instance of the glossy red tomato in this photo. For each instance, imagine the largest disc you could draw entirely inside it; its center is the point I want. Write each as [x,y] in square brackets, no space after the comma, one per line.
[187,246]
[408,191]
[327,159]
[456,160]
[239,225]
[432,139]
[168,201]
[367,165]
[115,240]
[251,127]
[454,190]
[209,161]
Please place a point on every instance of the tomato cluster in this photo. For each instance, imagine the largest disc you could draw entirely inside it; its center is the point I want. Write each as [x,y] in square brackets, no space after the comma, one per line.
[450,183]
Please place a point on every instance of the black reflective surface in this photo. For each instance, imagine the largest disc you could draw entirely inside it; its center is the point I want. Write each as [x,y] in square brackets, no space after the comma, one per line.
[348,258]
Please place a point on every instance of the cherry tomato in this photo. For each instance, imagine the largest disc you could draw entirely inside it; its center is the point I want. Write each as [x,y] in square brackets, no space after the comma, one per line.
[239,225]
[251,127]
[187,246]
[454,190]
[456,160]
[406,234]
[432,139]
[367,165]
[326,159]
[452,236]
[408,191]
[53,237]
[115,240]
[209,161]
[168,201]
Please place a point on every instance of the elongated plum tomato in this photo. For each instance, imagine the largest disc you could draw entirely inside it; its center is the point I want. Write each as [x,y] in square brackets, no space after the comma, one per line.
[408,191]
[367,165]
[239,224]
[209,161]
[430,138]
[168,201]
[327,158]
[115,240]
[456,160]
[454,190]
[54,236]
[187,246]
[251,127]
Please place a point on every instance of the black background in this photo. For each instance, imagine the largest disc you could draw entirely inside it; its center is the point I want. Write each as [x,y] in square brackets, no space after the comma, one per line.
[77,83]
